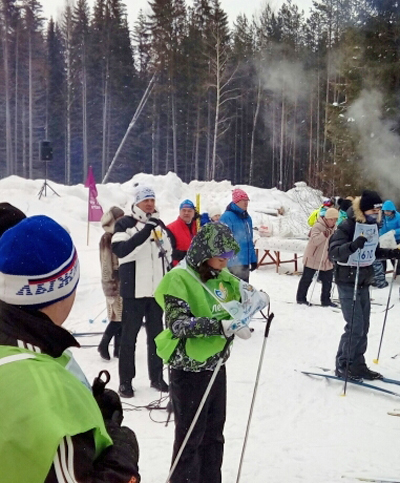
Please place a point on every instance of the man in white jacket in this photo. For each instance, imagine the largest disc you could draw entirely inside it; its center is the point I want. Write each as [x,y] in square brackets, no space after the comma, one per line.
[141,243]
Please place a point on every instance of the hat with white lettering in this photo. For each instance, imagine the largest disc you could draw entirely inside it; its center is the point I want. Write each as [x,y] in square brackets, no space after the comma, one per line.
[38,263]
[141,193]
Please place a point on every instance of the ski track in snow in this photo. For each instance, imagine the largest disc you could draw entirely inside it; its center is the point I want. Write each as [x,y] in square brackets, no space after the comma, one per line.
[302,429]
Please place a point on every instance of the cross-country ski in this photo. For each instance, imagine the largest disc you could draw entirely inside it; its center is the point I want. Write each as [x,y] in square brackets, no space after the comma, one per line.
[376,479]
[360,383]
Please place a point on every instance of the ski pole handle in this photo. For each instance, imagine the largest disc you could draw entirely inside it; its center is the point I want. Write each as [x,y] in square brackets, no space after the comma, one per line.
[268,324]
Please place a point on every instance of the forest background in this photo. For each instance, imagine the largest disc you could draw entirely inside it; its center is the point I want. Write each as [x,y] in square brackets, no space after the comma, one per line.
[268,101]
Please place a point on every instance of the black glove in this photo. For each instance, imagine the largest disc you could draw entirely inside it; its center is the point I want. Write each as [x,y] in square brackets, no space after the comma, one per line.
[153,222]
[253,266]
[124,440]
[358,243]
[108,400]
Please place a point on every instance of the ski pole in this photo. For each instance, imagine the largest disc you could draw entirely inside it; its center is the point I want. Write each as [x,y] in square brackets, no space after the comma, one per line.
[97,316]
[346,375]
[266,332]
[376,361]
[199,409]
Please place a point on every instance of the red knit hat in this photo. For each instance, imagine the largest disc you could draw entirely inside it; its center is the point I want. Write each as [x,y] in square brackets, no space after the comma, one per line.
[238,195]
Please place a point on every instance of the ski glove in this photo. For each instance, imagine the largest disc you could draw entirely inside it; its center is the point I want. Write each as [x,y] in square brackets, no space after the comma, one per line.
[358,243]
[253,266]
[153,222]
[236,327]
[108,400]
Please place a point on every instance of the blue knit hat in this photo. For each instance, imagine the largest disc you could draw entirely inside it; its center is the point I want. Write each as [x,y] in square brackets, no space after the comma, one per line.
[38,264]
[187,204]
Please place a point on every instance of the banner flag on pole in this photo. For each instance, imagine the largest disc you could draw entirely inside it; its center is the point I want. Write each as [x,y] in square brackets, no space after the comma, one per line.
[95,211]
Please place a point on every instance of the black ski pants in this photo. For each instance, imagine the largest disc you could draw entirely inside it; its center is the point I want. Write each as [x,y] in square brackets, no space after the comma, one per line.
[201,459]
[326,278]
[132,318]
[354,351]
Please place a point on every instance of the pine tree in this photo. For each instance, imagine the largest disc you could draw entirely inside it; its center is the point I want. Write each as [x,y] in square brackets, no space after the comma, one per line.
[34,71]
[80,46]
[55,101]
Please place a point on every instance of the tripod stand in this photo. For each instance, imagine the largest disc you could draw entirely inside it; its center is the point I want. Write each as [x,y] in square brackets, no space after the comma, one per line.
[43,189]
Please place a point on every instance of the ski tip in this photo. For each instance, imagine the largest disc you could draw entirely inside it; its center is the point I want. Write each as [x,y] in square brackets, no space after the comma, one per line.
[375,361]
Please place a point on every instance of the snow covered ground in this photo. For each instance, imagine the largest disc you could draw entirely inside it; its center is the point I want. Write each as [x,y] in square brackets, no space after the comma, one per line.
[302,429]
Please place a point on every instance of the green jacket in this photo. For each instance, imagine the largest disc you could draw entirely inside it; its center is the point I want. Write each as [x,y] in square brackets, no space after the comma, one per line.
[204,339]
[40,401]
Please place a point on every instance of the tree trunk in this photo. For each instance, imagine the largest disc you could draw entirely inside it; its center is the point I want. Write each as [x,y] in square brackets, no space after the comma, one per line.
[274,180]
[310,142]
[68,67]
[15,170]
[253,133]
[30,111]
[84,117]
[7,94]
[174,129]
[294,141]
[24,164]
[105,110]
[197,143]
[326,105]
[282,144]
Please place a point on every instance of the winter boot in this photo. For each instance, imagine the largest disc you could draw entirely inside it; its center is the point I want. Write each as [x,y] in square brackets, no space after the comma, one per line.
[329,304]
[363,371]
[303,302]
[103,346]
[126,390]
[161,385]
[109,333]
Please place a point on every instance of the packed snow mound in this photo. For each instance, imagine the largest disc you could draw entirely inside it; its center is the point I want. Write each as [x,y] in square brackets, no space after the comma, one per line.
[284,213]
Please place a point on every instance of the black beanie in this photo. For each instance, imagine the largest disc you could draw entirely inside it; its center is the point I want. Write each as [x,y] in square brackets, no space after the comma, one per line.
[344,205]
[9,216]
[370,200]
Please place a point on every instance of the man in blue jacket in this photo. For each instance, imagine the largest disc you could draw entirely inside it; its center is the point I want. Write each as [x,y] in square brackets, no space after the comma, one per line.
[241,225]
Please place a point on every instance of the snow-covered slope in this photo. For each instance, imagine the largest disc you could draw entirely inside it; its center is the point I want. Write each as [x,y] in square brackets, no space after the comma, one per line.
[302,429]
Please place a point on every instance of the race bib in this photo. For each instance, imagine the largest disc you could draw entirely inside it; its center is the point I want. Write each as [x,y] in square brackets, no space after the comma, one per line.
[251,302]
[366,256]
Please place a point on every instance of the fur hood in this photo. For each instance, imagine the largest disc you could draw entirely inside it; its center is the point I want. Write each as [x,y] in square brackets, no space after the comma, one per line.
[357,213]
[110,217]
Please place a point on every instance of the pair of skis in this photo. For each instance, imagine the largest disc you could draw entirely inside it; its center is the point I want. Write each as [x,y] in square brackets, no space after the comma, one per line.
[361,383]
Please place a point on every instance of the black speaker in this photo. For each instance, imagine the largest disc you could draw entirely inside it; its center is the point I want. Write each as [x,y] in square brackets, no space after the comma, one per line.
[46,151]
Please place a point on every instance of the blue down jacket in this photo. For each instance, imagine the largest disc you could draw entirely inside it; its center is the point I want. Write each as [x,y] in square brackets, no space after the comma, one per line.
[390,222]
[241,225]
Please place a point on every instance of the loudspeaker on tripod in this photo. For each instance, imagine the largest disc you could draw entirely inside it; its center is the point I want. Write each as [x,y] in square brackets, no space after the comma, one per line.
[46,151]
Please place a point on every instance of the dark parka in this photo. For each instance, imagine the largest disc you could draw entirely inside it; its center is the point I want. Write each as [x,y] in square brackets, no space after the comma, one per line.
[340,249]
